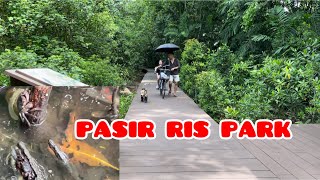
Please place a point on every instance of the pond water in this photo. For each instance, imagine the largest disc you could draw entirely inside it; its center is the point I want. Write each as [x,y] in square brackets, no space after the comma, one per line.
[62,102]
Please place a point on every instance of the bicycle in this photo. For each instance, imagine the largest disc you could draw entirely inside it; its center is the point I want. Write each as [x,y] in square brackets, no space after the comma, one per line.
[164,77]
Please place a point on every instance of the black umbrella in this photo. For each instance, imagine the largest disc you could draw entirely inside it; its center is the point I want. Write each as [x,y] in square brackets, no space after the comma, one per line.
[167,48]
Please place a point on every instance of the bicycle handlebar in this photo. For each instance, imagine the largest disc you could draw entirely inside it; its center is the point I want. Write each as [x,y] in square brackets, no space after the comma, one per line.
[164,68]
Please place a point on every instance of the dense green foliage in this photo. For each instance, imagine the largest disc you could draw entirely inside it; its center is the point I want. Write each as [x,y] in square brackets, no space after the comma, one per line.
[243,59]
[240,59]
[267,64]
[229,86]
[86,40]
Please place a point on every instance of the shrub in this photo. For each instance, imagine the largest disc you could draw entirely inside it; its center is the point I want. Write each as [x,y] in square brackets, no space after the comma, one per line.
[93,71]
[254,103]
[65,61]
[194,61]
[312,114]
[14,59]
[125,102]
[100,72]
[222,59]
[212,94]
[188,73]
[194,51]
[239,72]
[290,86]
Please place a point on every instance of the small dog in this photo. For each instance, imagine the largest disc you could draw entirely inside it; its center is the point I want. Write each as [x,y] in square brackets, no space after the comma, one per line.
[144,95]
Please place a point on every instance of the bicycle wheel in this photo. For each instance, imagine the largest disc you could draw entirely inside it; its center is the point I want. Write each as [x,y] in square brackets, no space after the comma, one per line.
[164,89]
[161,88]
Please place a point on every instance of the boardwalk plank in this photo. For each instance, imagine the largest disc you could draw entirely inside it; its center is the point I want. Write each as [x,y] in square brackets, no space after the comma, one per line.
[275,167]
[199,175]
[193,168]
[211,153]
[284,161]
[307,134]
[218,164]
[302,145]
[310,158]
[302,163]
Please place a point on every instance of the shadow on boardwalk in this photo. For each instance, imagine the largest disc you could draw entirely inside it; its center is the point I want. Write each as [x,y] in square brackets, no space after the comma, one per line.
[213,158]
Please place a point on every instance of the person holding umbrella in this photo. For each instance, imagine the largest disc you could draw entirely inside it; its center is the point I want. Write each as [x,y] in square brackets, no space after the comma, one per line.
[174,65]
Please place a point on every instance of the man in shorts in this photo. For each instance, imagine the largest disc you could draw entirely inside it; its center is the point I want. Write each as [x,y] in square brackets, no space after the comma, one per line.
[174,66]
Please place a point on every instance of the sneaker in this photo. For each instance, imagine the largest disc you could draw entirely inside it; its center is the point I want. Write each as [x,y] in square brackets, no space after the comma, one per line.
[157,87]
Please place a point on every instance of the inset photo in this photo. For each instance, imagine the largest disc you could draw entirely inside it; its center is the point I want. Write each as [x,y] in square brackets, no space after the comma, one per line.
[37,133]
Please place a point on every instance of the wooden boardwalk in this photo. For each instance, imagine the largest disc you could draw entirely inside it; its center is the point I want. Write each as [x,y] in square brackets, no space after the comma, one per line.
[213,158]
